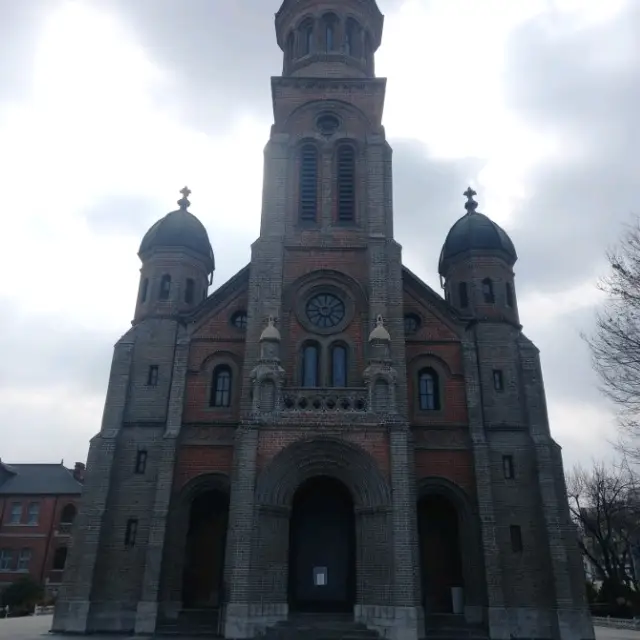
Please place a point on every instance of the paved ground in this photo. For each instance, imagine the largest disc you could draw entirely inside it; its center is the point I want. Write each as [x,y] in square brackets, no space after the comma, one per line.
[37,627]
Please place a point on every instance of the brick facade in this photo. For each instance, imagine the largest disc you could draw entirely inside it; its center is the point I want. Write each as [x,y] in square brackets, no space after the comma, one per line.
[410,455]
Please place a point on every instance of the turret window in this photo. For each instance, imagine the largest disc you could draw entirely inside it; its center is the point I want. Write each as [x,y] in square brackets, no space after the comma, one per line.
[190,291]
[306,32]
[338,365]
[221,387]
[308,183]
[429,390]
[131,532]
[463,295]
[144,290]
[310,365]
[346,183]
[152,375]
[498,381]
[165,287]
[351,38]
[330,22]
[509,290]
[487,291]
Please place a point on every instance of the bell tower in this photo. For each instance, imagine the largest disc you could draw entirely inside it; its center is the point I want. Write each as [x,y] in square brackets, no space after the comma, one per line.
[324,368]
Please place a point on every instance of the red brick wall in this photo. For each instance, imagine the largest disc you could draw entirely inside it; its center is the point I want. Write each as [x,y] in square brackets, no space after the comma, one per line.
[42,539]
[194,460]
[455,466]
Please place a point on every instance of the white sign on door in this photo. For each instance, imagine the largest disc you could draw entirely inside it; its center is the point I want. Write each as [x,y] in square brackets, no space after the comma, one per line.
[320,576]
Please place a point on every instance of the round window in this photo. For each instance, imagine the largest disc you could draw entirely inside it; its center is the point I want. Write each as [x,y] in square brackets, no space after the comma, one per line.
[411,323]
[239,320]
[325,311]
[327,124]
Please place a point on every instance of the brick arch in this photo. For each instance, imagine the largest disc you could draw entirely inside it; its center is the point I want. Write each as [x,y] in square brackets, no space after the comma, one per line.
[305,459]
[428,358]
[469,533]
[205,482]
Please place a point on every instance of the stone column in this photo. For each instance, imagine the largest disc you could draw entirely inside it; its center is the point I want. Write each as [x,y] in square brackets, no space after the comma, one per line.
[147,611]
[497,614]
[73,605]
[237,617]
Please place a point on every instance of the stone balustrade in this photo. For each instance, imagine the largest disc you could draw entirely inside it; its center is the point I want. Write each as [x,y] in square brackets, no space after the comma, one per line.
[325,400]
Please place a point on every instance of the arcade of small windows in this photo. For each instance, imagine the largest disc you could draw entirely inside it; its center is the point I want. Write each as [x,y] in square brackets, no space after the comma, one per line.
[487,291]
[311,365]
[165,287]
[221,381]
[324,35]
[428,390]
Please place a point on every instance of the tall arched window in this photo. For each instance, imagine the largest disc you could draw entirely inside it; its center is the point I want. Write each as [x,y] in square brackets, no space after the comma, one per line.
[310,365]
[144,290]
[463,295]
[368,52]
[68,514]
[330,22]
[338,365]
[165,287]
[509,288]
[350,37]
[346,183]
[291,46]
[429,390]
[306,37]
[487,291]
[190,291]
[308,182]
[221,386]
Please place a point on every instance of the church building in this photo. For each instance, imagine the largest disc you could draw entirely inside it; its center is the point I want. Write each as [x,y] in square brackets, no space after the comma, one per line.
[325,442]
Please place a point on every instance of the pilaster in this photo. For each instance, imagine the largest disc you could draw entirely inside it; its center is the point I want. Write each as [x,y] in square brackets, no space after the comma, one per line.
[147,611]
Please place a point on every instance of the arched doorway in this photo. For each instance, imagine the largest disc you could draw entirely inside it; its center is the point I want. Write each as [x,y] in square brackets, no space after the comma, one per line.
[440,553]
[202,579]
[322,567]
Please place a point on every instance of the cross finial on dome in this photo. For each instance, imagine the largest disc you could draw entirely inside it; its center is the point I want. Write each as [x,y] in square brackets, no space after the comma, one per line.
[184,203]
[470,205]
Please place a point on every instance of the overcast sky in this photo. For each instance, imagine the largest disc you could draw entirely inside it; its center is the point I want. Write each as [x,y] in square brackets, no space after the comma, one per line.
[109,107]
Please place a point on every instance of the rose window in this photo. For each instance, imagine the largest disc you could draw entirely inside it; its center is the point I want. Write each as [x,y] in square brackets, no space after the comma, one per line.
[325,311]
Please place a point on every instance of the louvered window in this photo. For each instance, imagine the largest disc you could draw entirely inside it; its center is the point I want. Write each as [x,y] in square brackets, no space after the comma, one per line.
[308,183]
[346,184]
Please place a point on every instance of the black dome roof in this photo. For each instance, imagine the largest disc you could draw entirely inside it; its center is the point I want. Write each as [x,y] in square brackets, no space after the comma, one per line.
[180,229]
[475,232]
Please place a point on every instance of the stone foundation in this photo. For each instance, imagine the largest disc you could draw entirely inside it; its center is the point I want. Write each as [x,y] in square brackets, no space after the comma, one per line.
[249,620]
[394,623]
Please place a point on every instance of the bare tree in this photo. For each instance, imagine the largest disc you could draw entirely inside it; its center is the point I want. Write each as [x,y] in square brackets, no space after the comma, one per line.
[615,344]
[605,507]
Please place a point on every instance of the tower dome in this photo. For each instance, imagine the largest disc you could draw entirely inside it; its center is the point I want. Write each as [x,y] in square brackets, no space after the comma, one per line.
[475,232]
[180,229]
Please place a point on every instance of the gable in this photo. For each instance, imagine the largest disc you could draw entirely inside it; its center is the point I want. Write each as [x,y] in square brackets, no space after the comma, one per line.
[440,320]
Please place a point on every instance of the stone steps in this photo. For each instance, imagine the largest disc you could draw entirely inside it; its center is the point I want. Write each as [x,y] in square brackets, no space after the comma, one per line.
[192,623]
[320,627]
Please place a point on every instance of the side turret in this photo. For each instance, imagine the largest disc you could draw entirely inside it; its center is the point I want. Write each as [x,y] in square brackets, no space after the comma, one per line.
[177,264]
[476,267]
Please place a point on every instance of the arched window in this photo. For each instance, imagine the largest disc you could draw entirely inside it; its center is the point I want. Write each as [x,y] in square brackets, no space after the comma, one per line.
[291,46]
[368,52]
[59,559]
[338,365]
[144,290]
[221,386]
[509,288]
[350,37]
[463,295]
[310,365]
[165,287]
[330,22]
[487,291]
[68,514]
[429,390]
[306,39]
[190,291]
[346,183]
[308,182]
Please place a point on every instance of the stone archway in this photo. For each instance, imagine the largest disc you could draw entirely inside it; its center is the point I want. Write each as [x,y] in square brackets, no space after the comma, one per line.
[276,489]
[193,567]
[450,551]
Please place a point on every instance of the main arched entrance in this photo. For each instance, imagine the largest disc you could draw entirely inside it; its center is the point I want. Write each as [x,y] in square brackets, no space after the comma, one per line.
[440,556]
[322,563]
[204,550]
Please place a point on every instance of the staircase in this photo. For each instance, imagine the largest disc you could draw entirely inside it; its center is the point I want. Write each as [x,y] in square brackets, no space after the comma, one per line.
[320,627]
[452,627]
[192,623]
